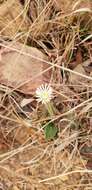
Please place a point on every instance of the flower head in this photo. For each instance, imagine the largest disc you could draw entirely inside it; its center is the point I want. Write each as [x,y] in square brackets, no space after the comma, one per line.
[44,93]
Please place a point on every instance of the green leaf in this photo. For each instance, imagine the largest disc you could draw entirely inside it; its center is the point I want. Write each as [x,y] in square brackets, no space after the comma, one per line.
[50,131]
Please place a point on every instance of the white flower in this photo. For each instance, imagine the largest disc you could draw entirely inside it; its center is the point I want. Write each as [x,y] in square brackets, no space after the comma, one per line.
[44,93]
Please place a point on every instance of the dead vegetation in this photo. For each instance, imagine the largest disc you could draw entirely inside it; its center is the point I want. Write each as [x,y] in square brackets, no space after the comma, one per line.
[44,41]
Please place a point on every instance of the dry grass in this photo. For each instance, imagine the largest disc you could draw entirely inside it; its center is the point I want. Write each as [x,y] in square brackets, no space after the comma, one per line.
[59,28]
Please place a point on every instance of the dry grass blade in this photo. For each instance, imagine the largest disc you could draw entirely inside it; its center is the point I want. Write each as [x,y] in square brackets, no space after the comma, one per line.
[82,10]
[87,38]
[66,174]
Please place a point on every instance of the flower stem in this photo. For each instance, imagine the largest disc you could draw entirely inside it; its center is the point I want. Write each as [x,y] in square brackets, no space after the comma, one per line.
[49,107]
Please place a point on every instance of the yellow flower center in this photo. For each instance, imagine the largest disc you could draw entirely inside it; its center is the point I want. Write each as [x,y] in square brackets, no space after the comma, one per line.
[45,95]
